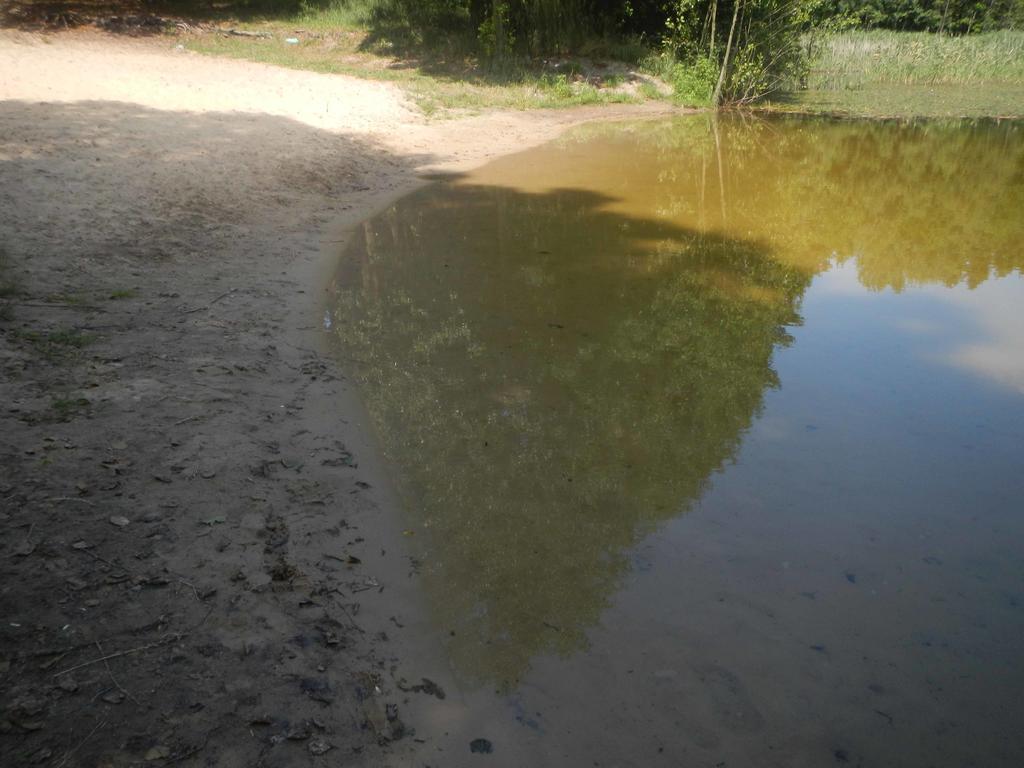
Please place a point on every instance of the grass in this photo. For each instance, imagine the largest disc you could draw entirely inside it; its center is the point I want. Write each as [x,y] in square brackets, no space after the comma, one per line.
[854,60]
[72,299]
[360,38]
[914,74]
[9,287]
[122,293]
[869,73]
[53,344]
[340,14]
[692,84]
[437,87]
[66,408]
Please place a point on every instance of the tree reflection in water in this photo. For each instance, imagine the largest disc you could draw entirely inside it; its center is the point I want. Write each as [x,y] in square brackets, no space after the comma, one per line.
[561,349]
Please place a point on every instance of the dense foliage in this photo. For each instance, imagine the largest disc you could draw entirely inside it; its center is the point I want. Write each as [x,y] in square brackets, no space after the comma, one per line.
[712,51]
[544,26]
[954,16]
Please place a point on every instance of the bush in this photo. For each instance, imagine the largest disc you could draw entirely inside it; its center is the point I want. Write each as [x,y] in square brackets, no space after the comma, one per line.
[692,82]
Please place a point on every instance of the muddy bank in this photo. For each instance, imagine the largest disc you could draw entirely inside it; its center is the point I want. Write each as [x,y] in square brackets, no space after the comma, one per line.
[200,556]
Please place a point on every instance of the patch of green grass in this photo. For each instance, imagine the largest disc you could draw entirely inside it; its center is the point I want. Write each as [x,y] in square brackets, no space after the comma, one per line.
[456,86]
[52,344]
[69,338]
[649,91]
[9,287]
[122,293]
[692,83]
[66,298]
[853,60]
[339,14]
[882,74]
[66,408]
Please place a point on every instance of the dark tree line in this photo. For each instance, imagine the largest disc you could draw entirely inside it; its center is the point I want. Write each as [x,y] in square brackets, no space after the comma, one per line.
[712,51]
[546,26]
[952,16]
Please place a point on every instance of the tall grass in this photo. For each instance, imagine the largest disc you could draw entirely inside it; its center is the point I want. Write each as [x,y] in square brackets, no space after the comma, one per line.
[338,14]
[853,60]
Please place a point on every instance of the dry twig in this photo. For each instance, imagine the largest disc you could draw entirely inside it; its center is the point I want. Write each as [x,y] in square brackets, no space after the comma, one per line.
[163,641]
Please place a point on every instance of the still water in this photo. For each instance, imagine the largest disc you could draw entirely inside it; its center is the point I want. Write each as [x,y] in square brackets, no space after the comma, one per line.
[711,434]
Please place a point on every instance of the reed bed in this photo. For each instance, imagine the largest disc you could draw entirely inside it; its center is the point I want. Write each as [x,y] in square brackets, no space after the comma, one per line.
[853,60]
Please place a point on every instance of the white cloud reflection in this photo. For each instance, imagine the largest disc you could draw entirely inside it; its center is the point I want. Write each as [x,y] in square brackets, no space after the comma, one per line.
[997,309]
[985,328]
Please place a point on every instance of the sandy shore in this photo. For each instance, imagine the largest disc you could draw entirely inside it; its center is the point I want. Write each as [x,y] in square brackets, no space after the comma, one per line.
[201,559]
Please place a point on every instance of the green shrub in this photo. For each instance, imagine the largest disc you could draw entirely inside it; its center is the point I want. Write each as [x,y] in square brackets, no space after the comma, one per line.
[692,83]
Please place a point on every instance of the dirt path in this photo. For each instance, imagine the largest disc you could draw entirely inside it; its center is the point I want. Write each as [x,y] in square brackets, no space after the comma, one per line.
[198,556]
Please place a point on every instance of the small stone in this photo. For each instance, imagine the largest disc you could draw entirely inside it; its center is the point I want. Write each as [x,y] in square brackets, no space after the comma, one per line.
[159,752]
[119,521]
[24,549]
[67,684]
[81,544]
[29,705]
[112,697]
[481,746]
[41,756]
[319,747]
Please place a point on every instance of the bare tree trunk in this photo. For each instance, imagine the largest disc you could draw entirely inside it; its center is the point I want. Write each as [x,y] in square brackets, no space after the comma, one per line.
[498,19]
[714,17]
[716,98]
[477,13]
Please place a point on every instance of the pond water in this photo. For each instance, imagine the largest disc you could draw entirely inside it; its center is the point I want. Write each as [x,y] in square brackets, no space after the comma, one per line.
[711,435]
